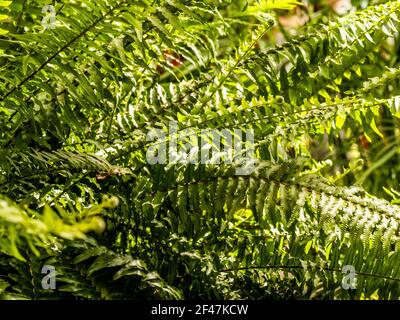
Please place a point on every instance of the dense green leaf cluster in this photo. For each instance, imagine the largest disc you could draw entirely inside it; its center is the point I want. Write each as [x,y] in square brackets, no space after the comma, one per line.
[77,103]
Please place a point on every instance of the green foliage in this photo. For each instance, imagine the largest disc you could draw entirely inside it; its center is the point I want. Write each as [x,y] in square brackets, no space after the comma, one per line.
[78,100]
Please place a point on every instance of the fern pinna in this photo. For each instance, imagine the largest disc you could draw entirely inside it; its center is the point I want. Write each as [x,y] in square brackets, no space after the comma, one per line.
[79,100]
